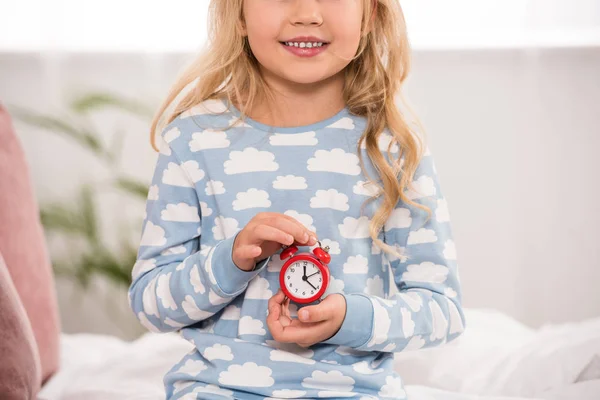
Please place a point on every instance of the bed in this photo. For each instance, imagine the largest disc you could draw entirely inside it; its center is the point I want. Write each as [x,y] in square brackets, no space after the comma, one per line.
[497,358]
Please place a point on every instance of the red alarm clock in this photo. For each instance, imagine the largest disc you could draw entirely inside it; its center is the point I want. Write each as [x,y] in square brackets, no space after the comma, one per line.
[304,277]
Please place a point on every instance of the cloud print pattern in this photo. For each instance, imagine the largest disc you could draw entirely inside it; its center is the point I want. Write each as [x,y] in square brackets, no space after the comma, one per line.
[208,184]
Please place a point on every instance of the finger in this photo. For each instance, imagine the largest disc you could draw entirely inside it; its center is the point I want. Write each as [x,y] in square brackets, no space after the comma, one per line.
[320,312]
[264,231]
[247,251]
[276,299]
[295,228]
[299,332]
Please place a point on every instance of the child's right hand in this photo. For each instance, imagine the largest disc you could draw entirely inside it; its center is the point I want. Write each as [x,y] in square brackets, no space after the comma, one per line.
[263,236]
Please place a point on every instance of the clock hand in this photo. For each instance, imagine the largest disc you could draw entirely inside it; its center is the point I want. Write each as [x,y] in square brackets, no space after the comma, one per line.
[311,284]
[313,274]
[305,271]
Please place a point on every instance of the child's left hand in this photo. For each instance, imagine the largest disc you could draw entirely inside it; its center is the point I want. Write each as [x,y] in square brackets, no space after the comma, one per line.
[324,320]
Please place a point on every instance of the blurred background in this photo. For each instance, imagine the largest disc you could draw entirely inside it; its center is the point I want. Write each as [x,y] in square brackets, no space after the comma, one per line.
[508,91]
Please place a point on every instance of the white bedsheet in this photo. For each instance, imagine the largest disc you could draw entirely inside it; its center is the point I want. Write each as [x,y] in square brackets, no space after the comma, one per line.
[497,358]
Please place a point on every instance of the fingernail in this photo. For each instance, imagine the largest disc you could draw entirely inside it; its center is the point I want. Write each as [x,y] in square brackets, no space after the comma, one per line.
[303,314]
[305,237]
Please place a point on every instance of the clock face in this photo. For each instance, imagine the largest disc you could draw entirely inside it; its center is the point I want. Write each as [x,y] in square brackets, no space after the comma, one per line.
[303,279]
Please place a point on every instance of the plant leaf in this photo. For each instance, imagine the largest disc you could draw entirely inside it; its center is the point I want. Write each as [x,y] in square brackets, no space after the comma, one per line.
[82,136]
[93,101]
[134,187]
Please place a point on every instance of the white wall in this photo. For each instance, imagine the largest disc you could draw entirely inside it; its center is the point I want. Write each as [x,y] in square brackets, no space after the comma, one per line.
[514,133]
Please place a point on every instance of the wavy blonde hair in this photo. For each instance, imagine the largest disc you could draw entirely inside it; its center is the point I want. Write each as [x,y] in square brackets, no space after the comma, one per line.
[226,68]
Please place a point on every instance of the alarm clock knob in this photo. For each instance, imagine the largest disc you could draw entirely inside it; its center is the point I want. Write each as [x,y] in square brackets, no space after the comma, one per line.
[288,252]
[322,254]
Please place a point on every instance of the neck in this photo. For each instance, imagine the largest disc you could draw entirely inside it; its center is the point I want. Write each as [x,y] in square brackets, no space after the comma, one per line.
[298,104]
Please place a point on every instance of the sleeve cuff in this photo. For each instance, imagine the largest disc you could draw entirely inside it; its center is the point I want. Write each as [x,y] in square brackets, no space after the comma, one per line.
[230,279]
[358,323]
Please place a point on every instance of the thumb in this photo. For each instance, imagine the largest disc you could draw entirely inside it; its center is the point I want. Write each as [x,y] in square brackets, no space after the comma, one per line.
[320,312]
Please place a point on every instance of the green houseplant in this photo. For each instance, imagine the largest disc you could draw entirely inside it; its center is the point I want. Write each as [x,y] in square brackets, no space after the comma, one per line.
[78,219]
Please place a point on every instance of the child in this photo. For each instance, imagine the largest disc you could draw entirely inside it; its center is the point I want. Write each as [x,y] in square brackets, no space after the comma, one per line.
[287,139]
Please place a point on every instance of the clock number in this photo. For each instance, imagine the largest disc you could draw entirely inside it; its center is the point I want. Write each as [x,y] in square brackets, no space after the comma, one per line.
[296,289]
[293,270]
[290,284]
[303,293]
[319,279]
[312,292]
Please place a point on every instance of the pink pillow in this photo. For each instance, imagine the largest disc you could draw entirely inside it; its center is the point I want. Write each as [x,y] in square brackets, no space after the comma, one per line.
[20,372]
[23,246]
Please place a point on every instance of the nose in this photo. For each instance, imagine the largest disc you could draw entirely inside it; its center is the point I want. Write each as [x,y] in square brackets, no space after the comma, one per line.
[306,12]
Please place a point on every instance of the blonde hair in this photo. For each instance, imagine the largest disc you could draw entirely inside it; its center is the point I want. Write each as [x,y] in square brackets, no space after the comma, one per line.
[228,69]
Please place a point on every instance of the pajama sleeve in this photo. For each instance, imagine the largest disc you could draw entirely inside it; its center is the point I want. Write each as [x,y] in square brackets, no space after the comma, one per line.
[175,281]
[426,310]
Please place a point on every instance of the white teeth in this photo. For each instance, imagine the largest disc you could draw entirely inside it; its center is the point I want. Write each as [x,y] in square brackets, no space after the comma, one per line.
[304,44]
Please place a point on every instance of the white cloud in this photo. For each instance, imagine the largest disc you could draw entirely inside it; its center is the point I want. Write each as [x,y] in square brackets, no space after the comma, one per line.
[389,347]
[449,292]
[421,236]
[218,352]
[208,139]
[208,265]
[293,139]
[154,235]
[441,212]
[358,264]
[192,367]
[258,288]
[332,380]
[336,160]
[224,227]
[253,198]
[412,299]
[275,264]
[153,193]
[408,325]
[231,312]
[173,250]
[284,356]
[149,300]
[195,280]
[191,309]
[250,160]
[399,218]
[174,324]
[214,188]
[426,272]
[193,170]
[210,106]
[456,323]
[335,286]
[415,343]
[374,286]
[205,211]
[146,323]
[286,394]
[438,321]
[333,393]
[171,134]
[290,347]
[181,212]
[290,182]
[343,123]
[174,175]
[383,142]
[365,188]
[163,291]
[250,326]
[305,219]
[381,324]
[450,250]
[362,367]
[142,266]
[250,374]
[423,187]
[330,199]
[392,388]
[353,228]
[215,299]
[237,123]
